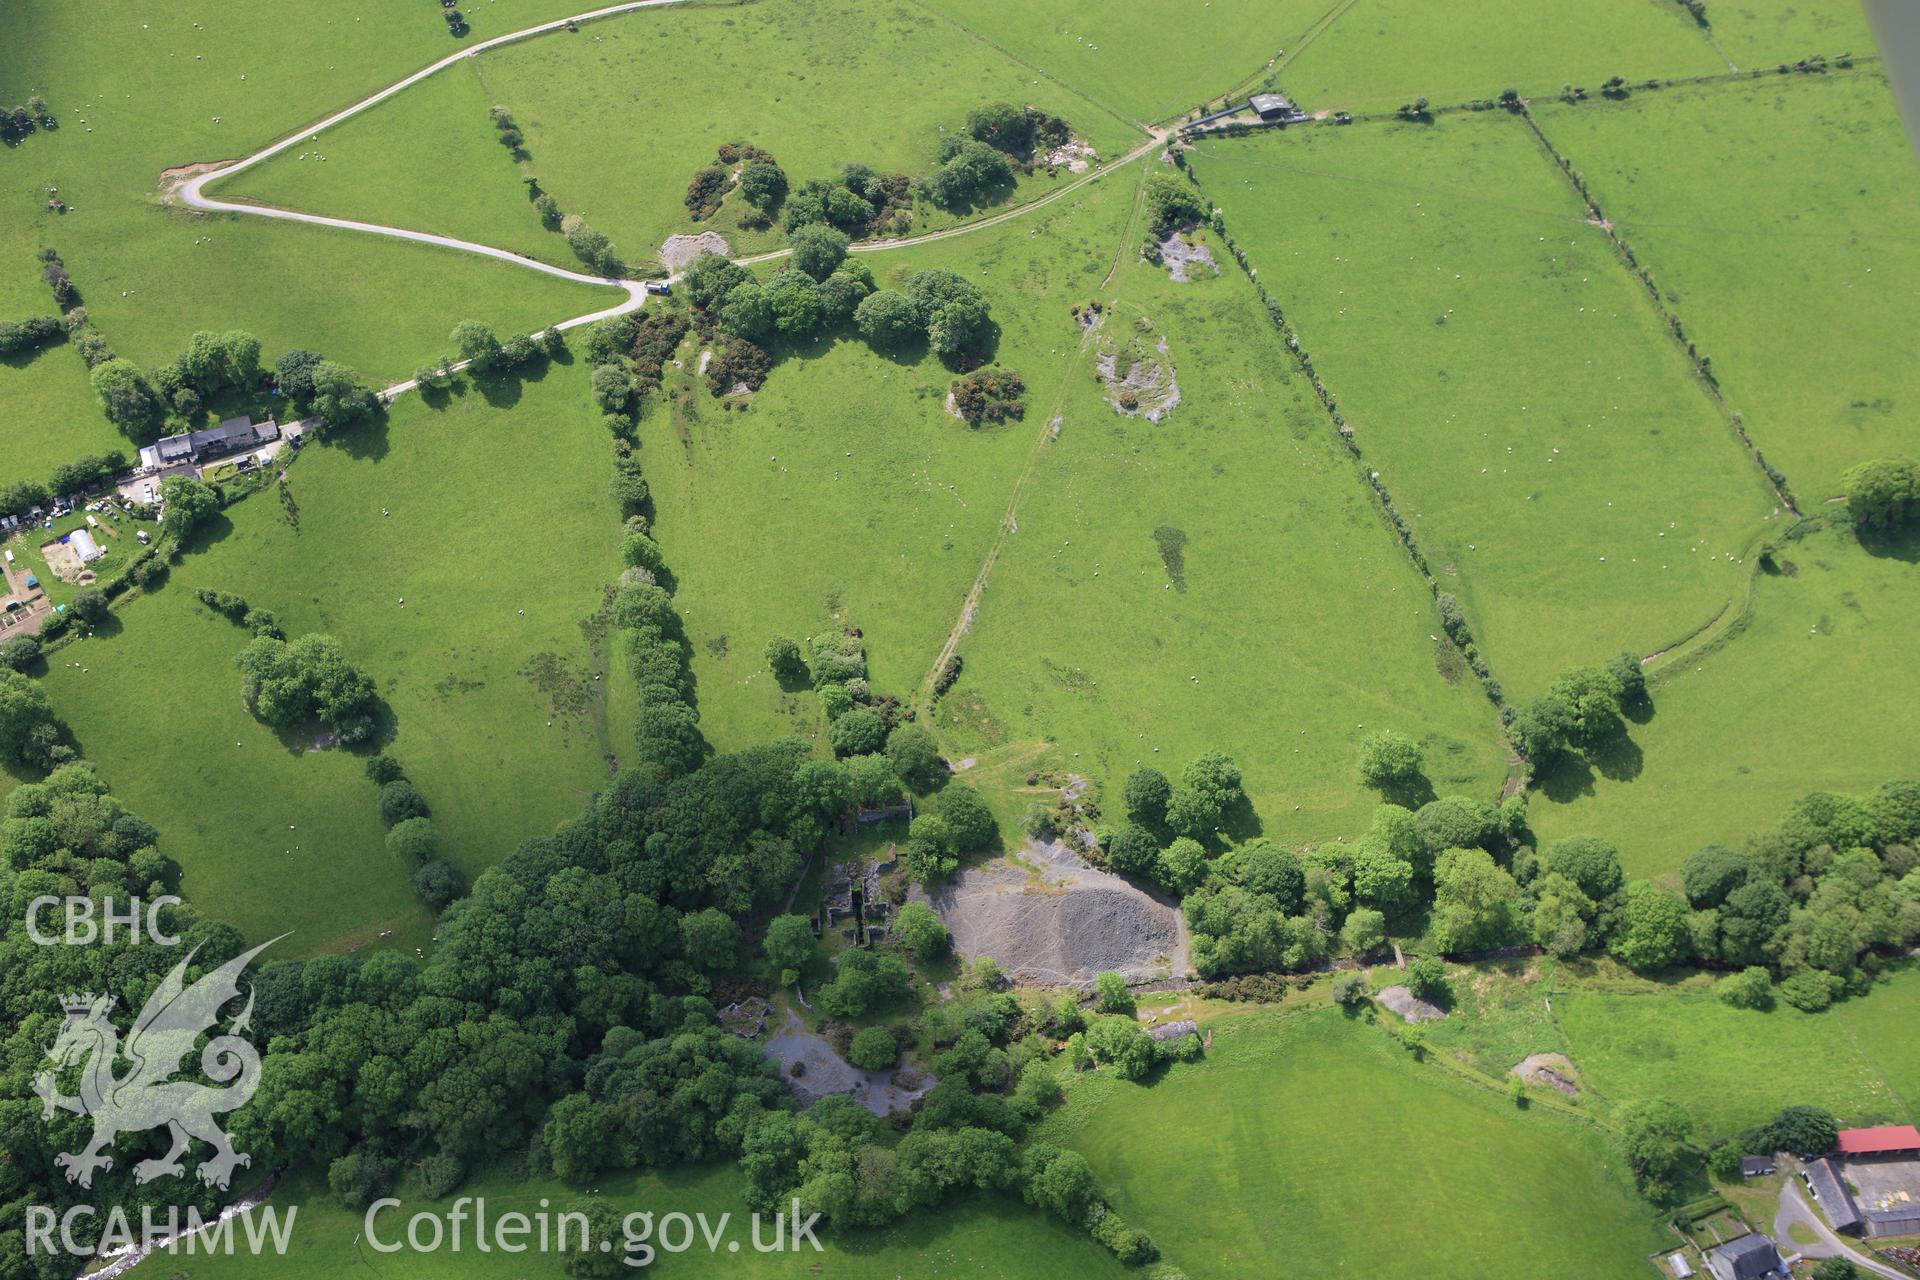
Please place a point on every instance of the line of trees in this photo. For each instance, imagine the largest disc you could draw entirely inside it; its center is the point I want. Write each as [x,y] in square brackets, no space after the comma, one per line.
[66,479]
[28,333]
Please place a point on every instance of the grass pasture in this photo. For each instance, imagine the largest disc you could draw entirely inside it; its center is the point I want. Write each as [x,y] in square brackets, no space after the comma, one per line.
[1734,1068]
[1801,254]
[999,1238]
[1760,33]
[1246,1164]
[268,837]
[150,87]
[51,416]
[1244,594]
[796,74]
[495,508]
[1794,701]
[428,159]
[1147,59]
[1566,477]
[847,495]
[1379,54]
[382,306]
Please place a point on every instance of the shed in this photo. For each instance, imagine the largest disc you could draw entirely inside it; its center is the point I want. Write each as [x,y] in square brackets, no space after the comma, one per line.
[1751,1257]
[84,546]
[1823,1179]
[1271,106]
[1882,1140]
[1755,1166]
[1901,1221]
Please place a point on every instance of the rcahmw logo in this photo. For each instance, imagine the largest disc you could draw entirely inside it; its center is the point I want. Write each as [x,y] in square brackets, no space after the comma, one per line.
[145,1094]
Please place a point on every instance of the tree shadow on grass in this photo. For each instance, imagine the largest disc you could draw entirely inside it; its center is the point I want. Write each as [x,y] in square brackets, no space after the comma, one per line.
[1890,544]
[499,390]
[1567,779]
[213,529]
[1411,793]
[1618,758]
[21,359]
[1241,822]
[366,440]
[1637,707]
[311,737]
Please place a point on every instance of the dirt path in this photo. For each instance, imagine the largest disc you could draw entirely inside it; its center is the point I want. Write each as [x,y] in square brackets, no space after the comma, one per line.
[1009,522]
[187,184]
[1158,139]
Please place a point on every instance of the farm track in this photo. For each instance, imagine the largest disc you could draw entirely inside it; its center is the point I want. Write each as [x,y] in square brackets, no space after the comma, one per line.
[191,191]
[1009,523]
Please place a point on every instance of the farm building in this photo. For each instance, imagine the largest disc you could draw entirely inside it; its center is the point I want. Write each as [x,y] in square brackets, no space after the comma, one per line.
[84,546]
[1273,106]
[231,436]
[1830,1191]
[1886,1139]
[1901,1221]
[1755,1166]
[1750,1257]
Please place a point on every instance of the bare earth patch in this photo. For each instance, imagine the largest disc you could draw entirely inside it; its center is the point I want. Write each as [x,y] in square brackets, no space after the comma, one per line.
[1139,379]
[1074,155]
[1047,916]
[1410,1007]
[1184,260]
[1552,1070]
[677,251]
[825,1072]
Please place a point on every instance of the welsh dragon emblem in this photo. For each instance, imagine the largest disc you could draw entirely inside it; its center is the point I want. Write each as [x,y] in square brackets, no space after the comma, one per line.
[142,1094]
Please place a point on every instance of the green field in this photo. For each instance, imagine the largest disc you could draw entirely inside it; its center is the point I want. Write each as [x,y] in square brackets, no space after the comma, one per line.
[1262,1159]
[796,72]
[147,90]
[998,1238]
[1885,1029]
[50,415]
[1565,475]
[1148,59]
[1760,33]
[1802,255]
[1296,618]
[398,164]
[495,509]
[1379,54]
[1735,1068]
[847,495]
[1794,702]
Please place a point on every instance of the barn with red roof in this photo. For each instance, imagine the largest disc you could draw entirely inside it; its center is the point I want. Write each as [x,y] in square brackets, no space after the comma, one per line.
[1886,1139]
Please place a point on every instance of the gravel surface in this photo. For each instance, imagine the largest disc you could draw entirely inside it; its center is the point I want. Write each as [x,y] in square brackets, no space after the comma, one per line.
[1184,260]
[1550,1069]
[827,1073]
[1047,916]
[678,251]
[1410,1009]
